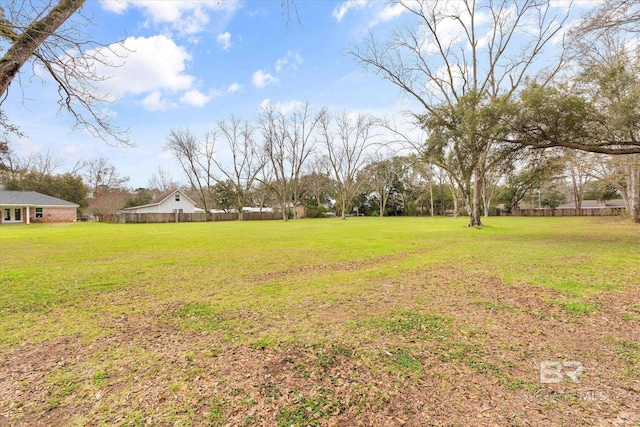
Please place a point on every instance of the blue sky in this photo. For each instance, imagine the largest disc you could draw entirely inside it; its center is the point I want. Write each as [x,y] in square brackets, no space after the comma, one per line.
[190,64]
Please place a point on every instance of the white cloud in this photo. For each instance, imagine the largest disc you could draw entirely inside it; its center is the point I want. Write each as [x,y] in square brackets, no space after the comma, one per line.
[342,9]
[266,103]
[282,107]
[292,60]
[116,6]
[564,5]
[196,98]
[224,40]
[146,65]
[154,102]
[261,79]
[234,87]
[187,17]
[390,12]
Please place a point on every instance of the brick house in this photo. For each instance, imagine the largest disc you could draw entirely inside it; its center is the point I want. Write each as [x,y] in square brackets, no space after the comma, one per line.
[25,207]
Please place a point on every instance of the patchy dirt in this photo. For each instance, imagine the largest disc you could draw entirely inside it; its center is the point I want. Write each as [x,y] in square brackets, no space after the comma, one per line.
[464,350]
[339,266]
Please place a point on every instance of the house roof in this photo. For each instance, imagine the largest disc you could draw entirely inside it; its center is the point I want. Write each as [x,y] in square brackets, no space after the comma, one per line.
[593,204]
[31,198]
[161,198]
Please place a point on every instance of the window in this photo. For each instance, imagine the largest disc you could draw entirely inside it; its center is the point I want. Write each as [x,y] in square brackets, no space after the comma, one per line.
[7,214]
[18,216]
[38,212]
[177,197]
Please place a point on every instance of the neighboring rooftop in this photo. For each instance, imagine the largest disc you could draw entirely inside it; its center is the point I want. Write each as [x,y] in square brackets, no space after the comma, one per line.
[31,198]
[161,198]
[593,204]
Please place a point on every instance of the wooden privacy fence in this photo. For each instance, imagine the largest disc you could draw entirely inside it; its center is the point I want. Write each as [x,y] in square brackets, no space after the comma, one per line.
[569,212]
[150,218]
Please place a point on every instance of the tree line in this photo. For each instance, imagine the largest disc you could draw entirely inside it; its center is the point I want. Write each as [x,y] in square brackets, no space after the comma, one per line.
[495,107]
[366,178]
[508,96]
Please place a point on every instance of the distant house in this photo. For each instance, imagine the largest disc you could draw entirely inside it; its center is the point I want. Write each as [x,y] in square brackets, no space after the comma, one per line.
[299,208]
[172,201]
[24,207]
[251,209]
[595,204]
[246,209]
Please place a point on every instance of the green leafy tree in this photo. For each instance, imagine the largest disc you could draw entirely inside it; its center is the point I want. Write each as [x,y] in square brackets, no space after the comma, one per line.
[223,196]
[597,111]
[553,198]
[534,172]
[461,61]
[141,196]
[66,186]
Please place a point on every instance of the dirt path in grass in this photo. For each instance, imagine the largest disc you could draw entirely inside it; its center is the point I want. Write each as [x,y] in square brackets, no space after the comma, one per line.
[444,348]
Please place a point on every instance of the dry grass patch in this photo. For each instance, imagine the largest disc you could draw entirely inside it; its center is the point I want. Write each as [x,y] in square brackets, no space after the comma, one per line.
[423,322]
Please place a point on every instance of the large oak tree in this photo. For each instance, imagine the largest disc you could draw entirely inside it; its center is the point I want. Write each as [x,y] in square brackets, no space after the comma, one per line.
[456,59]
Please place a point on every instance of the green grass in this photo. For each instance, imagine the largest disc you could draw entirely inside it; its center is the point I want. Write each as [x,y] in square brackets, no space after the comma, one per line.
[309,411]
[330,301]
[61,280]
[577,308]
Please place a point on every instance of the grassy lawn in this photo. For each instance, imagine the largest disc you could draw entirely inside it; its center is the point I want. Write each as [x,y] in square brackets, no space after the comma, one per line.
[394,321]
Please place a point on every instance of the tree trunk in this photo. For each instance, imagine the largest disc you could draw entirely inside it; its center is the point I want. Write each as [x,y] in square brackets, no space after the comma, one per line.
[487,195]
[485,203]
[455,204]
[474,215]
[25,44]
[431,197]
[633,193]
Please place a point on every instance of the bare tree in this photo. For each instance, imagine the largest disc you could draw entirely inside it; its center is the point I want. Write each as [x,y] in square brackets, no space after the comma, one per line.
[45,164]
[274,131]
[618,15]
[346,140]
[161,181]
[44,33]
[302,124]
[623,174]
[108,202]
[317,183]
[383,173]
[196,160]
[49,33]
[585,109]
[246,161]
[288,144]
[6,130]
[262,192]
[461,60]
[100,174]
[579,167]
